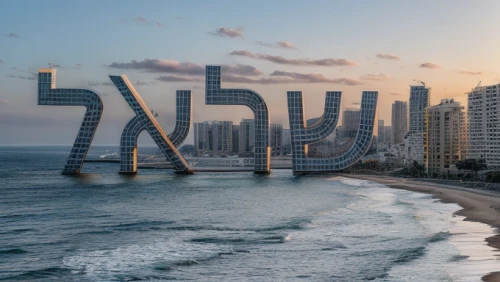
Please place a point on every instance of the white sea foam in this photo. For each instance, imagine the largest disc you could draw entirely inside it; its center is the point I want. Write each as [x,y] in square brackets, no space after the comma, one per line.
[104,264]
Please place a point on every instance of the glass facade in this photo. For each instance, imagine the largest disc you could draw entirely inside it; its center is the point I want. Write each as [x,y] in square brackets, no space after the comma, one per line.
[131,132]
[151,124]
[302,135]
[215,95]
[49,95]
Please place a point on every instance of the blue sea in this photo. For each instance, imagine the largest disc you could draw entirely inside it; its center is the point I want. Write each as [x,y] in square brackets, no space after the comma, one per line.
[156,226]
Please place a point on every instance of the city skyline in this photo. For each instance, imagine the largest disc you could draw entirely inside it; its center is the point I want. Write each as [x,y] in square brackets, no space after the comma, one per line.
[175,39]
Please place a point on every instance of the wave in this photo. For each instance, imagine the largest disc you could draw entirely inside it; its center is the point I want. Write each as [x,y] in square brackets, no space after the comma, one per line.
[13,252]
[440,236]
[161,255]
[44,273]
[410,254]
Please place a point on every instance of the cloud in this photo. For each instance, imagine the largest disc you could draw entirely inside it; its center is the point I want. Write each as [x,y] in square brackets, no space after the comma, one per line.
[240,69]
[143,21]
[471,72]
[10,75]
[286,45]
[296,62]
[279,44]
[54,65]
[228,32]
[429,65]
[175,78]
[4,102]
[374,76]
[97,83]
[1,62]
[21,77]
[387,56]
[185,68]
[315,78]
[395,94]
[78,66]
[141,83]
[12,35]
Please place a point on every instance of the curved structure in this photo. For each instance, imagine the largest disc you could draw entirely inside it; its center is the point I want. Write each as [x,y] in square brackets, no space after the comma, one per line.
[49,95]
[128,142]
[215,95]
[301,135]
[150,123]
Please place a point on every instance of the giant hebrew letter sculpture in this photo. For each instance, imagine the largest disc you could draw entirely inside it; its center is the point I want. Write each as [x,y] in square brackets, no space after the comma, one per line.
[151,124]
[215,95]
[48,94]
[301,135]
[128,142]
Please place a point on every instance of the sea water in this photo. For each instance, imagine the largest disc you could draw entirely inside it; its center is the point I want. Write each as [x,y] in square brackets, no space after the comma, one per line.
[102,226]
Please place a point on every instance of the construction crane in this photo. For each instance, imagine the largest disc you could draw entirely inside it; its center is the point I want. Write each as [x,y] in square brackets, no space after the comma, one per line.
[423,83]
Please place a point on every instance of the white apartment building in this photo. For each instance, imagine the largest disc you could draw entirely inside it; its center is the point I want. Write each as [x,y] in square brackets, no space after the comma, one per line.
[483,127]
[446,136]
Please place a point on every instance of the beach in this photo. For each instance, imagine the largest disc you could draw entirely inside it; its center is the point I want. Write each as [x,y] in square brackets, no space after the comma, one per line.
[479,206]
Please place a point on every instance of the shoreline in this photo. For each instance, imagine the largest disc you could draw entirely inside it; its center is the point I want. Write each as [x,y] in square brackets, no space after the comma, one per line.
[477,205]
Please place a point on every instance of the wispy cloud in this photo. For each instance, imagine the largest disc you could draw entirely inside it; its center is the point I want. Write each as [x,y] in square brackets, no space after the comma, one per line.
[1,62]
[374,76]
[297,62]
[314,78]
[279,44]
[4,102]
[429,65]
[175,78]
[21,77]
[185,68]
[12,35]
[228,32]
[143,21]
[78,66]
[387,56]
[471,72]
[141,83]
[97,83]
[54,65]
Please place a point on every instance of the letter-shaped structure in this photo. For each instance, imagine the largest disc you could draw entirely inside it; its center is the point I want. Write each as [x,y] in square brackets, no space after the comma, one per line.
[301,135]
[49,95]
[128,143]
[150,123]
[215,95]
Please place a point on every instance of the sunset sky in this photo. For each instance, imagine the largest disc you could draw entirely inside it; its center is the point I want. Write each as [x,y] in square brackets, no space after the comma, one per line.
[268,46]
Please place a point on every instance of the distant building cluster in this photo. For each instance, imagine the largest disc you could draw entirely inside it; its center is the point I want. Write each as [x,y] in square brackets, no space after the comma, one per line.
[439,136]
[222,138]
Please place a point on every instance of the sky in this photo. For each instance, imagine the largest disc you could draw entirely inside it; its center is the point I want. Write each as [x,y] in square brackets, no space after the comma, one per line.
[270,46]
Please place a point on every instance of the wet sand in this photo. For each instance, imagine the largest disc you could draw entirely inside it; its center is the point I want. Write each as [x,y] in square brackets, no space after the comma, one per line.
[479,206]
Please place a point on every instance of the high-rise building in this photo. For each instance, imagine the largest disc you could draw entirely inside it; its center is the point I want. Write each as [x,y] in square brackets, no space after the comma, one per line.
[484,125]
[416,138]
[388,134]
[201,137]
[350,122]
[446,139]
[222,136]
[380,135]
[399,122]
[276,141]
[287,141]
[247,135]
[236,139]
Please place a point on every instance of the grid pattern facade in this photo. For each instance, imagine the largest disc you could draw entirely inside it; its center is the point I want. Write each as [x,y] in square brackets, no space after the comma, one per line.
[247,135]
[399,122]
[222,136]
[301,135]
[419,101]
[483,125]
[131,132]
[49,95]
[152,126]
[445,135]
[215,95]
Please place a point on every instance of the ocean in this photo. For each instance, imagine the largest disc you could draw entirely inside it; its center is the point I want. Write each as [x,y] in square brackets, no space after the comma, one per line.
[156,225]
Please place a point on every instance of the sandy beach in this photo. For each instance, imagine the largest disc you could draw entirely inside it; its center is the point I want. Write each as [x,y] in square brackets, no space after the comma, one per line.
[479,206]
